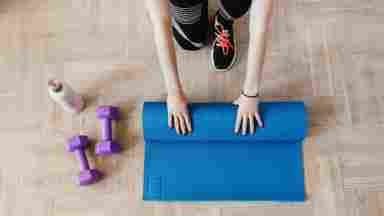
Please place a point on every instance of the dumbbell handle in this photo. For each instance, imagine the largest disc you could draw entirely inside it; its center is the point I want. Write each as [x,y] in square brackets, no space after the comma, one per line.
[106,129]
[82,158]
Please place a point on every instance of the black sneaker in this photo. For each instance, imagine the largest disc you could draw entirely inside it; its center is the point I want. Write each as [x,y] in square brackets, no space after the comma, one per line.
[190,25]
[223,52]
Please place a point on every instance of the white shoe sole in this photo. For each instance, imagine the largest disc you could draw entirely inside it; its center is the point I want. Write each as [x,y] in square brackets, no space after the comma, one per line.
[181,32]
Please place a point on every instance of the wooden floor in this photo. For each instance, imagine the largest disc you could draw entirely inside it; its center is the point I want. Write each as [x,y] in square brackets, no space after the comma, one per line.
[328,53]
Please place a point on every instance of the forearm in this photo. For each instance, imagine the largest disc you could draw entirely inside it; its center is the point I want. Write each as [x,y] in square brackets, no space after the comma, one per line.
[160,18]
[260,16]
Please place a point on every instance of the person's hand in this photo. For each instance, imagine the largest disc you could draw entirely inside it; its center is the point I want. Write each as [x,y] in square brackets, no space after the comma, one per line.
[178,114]
[247,114]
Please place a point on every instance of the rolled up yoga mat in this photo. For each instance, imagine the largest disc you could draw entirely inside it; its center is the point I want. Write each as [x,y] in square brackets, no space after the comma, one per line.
[213,163]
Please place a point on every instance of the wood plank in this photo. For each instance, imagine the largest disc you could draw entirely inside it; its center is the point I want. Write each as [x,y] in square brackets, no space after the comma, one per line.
[329,199]
[271,210]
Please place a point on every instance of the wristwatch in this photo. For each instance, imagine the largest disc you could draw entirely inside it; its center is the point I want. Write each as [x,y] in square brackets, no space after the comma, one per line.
[250,96]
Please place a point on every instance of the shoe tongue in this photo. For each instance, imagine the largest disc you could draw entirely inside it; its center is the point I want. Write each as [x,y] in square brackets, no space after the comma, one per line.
[223,20]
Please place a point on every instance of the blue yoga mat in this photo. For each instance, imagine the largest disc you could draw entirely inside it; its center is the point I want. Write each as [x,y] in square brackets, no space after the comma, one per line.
[213,163]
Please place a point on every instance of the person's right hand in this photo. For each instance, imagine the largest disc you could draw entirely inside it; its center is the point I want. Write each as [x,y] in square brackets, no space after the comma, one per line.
[178,114]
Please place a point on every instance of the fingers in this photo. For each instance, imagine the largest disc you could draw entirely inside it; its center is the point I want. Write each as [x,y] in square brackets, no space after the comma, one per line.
[238,123]
[188,122]
[178,115]
[244,124]
[258,119]
[170,120]
[182,123]
[251,124]
[176,123]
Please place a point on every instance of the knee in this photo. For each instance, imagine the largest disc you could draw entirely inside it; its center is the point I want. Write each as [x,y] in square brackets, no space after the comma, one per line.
[235,9]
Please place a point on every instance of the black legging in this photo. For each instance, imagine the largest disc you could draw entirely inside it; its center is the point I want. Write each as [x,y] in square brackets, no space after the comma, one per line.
[230,9]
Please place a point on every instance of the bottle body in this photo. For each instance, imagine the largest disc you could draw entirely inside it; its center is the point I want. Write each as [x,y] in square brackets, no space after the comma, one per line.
[65,96]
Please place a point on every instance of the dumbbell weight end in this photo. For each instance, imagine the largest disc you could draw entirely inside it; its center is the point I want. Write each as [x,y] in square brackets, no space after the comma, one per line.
[107,147]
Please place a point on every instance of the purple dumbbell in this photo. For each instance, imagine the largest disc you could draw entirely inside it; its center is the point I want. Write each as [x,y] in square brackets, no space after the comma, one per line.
[87,176]
[107,114]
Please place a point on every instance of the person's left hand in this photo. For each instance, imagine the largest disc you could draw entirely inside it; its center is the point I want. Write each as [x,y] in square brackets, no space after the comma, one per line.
[247,114]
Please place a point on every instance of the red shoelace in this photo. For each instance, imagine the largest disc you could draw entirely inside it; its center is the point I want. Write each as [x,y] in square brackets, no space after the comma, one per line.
[222,39]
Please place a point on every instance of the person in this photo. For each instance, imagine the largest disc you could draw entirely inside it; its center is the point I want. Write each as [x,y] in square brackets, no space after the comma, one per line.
[187,22]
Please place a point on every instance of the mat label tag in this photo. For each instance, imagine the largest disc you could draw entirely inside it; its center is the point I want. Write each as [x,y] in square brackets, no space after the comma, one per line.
[154,187]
